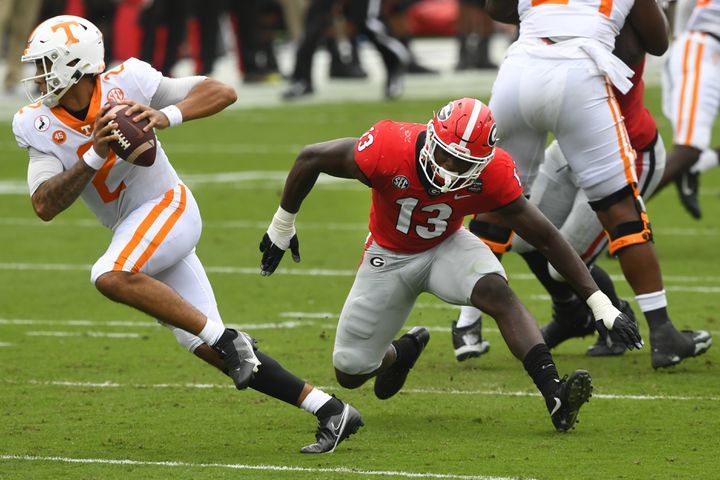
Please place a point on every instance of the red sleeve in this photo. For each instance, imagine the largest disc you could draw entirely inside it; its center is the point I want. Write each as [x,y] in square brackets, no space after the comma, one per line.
[369,148]
[501,180]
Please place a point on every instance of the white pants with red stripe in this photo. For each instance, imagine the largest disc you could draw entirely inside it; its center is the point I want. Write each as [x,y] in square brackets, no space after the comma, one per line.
[158,239]
[558,196]
[572,99]
[691,88]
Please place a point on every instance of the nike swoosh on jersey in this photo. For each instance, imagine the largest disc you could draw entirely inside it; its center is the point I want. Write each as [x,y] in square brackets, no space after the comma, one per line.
[458,197]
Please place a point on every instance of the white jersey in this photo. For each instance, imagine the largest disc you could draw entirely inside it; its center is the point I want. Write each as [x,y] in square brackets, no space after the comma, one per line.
[118,187]
[599,20]
[705,17]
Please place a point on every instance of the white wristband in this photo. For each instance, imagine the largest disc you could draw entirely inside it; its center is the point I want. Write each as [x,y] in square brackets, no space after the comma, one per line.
[282,228]
[602,308]
[173,114]
[93,160]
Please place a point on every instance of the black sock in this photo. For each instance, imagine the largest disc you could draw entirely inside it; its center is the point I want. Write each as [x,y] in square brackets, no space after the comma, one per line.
[406,349]
[332,407]
[605,283]
[657,318]
[559,291]
[273,380]
[540,366]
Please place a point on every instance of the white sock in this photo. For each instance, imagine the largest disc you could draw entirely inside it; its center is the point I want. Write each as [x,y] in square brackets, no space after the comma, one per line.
[468,316]
[315,400]
[651,301]
[708,159]
[211,332]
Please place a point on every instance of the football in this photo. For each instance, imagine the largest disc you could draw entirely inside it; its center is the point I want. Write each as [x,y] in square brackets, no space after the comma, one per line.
[135,146]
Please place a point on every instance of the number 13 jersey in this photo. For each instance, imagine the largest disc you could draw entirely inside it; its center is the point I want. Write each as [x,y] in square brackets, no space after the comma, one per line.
[407,214]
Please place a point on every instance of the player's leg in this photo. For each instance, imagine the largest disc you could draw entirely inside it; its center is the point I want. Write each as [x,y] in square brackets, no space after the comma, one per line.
[189,280]
[691,101]
[602,158]
[152,238]
[366,15]
[485,286]
[381,298]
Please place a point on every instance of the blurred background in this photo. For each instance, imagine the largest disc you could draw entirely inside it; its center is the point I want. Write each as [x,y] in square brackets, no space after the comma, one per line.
[453,47]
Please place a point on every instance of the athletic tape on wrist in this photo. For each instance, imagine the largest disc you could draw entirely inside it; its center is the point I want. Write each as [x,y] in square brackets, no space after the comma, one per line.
[92,159]
[173,114]
[602,308]
[282,228]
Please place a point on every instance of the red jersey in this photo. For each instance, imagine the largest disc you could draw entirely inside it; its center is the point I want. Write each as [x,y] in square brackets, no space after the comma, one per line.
[408,215]
[640,124]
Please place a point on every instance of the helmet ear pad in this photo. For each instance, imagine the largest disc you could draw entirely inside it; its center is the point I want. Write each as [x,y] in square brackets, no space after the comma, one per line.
[464,128]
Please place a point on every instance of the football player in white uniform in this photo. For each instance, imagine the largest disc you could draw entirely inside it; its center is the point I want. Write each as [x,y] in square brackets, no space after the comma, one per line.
[150,263]
[691,100]
[557,77]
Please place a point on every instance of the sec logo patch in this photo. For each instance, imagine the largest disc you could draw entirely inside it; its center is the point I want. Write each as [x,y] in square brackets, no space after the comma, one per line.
[401,182]
[59,137]
[115,95]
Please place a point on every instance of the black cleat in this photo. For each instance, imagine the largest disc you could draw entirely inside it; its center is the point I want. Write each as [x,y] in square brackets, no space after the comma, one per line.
[688,186]
[570,320]
[670,347]
[600,348]
[297,89]
[468,341]
[573,392]
[334,429]
[390,381]
[237,350]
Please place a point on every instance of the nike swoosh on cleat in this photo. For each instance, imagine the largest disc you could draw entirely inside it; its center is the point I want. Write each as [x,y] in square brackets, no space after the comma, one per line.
[558,404]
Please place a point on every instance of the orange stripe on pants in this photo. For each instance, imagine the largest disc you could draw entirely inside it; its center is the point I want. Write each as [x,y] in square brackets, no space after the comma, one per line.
[143,229]
[695,91]
[162,233]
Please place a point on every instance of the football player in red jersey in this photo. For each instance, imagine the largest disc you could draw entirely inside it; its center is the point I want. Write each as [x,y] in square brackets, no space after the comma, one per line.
[424,180]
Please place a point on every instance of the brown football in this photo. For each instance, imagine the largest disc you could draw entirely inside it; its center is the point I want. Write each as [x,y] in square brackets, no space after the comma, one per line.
[135,146]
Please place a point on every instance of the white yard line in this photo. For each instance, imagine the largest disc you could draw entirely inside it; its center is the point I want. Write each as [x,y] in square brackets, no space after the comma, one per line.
[326,272]
[302,225]
[262,468]
[419,391]
[84,334]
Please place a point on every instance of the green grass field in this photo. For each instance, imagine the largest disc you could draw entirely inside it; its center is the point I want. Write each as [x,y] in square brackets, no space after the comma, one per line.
[94,390]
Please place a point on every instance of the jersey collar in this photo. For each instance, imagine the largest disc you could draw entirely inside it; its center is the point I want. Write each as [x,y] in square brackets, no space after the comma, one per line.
[85,126]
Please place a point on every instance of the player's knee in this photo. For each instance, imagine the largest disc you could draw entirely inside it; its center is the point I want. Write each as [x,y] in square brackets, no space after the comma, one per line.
[349,381]
[349,364]
[106,283]
[493,295]
[626,234]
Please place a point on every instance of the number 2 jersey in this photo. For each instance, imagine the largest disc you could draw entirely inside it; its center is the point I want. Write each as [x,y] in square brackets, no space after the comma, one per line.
[118,187]
[408,215]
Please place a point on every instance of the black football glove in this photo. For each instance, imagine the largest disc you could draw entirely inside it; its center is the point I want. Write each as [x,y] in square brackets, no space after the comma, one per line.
[272,254]
[625,331]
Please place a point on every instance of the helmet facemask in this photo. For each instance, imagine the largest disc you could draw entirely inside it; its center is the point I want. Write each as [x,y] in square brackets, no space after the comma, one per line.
[465,130]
